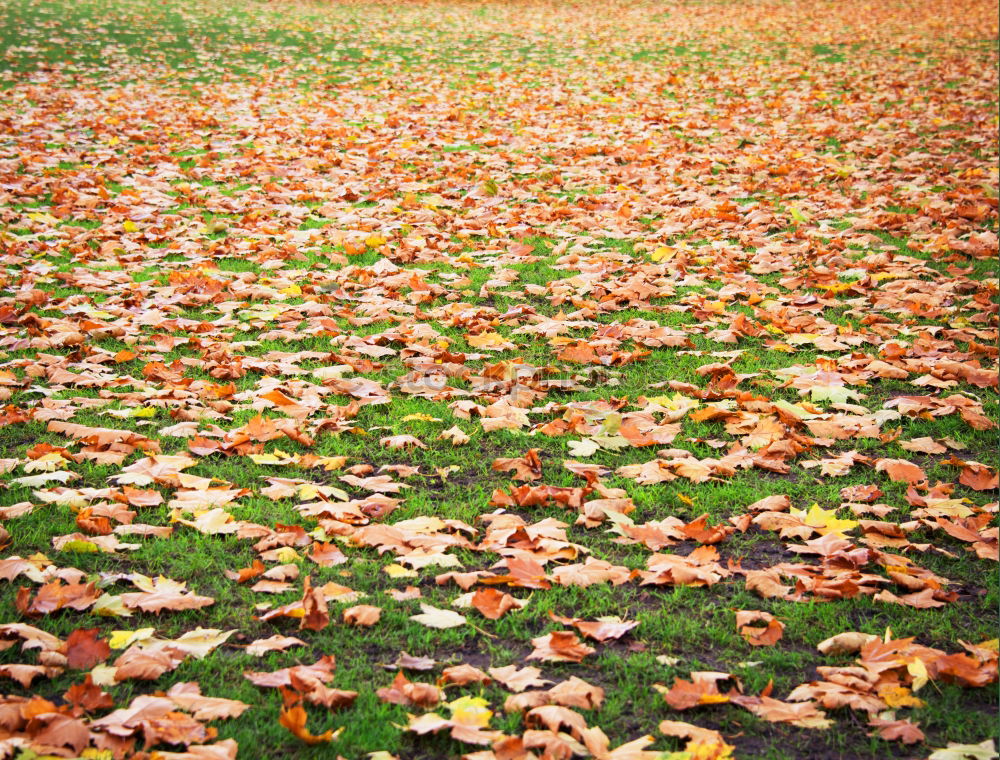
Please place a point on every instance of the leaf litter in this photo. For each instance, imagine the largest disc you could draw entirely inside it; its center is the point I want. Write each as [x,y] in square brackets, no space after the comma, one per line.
[657,259]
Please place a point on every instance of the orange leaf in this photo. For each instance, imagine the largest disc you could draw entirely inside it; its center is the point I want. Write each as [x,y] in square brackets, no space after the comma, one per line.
[294,719]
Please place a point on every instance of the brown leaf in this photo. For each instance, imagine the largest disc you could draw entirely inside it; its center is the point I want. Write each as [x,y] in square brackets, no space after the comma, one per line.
[462,675]
[87,697]
[702,689]
[901,471]
[261,647]
[602,629]
[316,616]
[492,603]
[188,697]
[526,468]
[759,636]
[402,691]
[321,670]
[559,646]
[84,650]
[518,679]
[362,615]
[902,730]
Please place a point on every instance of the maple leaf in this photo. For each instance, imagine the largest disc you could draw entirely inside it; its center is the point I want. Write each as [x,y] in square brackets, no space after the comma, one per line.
[491,341]
[591,571]
[168,599]
[84,650]
[802,714]
[322,670]
[702,689]
[316,692]
[402,442]
[276,643]
[979,477]
[402,691]
[903,730]
[463,675]
[559,646]
[54,596]
[574,692]
[86,697]
[518,679]
[145,662]
[456,435]
[493,604]
[526,468]
[326,555]
[901,471]
[23,674]
[188,697]
[700,531]
[602,629]
[824,521]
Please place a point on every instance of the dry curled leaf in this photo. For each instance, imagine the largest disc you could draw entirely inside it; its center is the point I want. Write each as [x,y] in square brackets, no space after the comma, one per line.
[362,615]
[766,635]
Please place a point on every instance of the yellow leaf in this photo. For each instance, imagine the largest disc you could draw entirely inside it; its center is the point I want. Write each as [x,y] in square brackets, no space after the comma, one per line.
[97,754]
[80,547]
[123,639]
[663,254]
[130,226]
[398,571]
[110,606]
[291,290]
[471,711]
[899,696]
[421,418]
[824,520]
[332,463]
[706,751]
[486,340]
[918,671]
[286,554]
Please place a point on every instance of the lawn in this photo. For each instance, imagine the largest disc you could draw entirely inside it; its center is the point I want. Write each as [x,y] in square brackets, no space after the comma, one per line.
[498,380]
